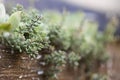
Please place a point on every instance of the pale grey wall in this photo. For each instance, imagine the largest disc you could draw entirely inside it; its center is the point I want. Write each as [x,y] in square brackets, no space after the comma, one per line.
[109,6]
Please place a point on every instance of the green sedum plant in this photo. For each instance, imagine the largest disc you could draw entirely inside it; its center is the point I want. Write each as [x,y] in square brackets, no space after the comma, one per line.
[73,59]
[29,36]
[57,37]
[83,45]
[56,60]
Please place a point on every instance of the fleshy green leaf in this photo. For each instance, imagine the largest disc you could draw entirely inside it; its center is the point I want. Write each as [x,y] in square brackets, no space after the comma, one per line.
[15,19]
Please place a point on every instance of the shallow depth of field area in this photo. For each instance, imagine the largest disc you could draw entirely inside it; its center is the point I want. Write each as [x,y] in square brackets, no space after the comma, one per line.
[38,43]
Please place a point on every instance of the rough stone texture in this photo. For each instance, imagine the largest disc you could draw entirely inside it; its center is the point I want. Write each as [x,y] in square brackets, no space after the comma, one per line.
[18,67]
[21,67]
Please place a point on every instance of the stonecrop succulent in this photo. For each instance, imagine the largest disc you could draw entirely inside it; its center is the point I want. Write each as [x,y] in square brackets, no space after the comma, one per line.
[29,36]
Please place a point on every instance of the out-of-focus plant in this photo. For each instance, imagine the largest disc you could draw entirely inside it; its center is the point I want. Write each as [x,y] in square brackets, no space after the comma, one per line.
[80,37]
[73,59]
[58,38]
[87,43]
[111,28]
[55,61]
[7,24]
[99,77]
[3,18]
[2,13]
[92,41]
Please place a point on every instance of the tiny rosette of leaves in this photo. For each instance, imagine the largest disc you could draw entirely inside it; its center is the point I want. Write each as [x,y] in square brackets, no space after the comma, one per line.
[58,38]
[55,61]
[73,59]
[56,58]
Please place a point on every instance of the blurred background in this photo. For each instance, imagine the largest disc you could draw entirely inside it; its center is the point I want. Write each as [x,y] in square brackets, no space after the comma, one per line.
[100,11]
